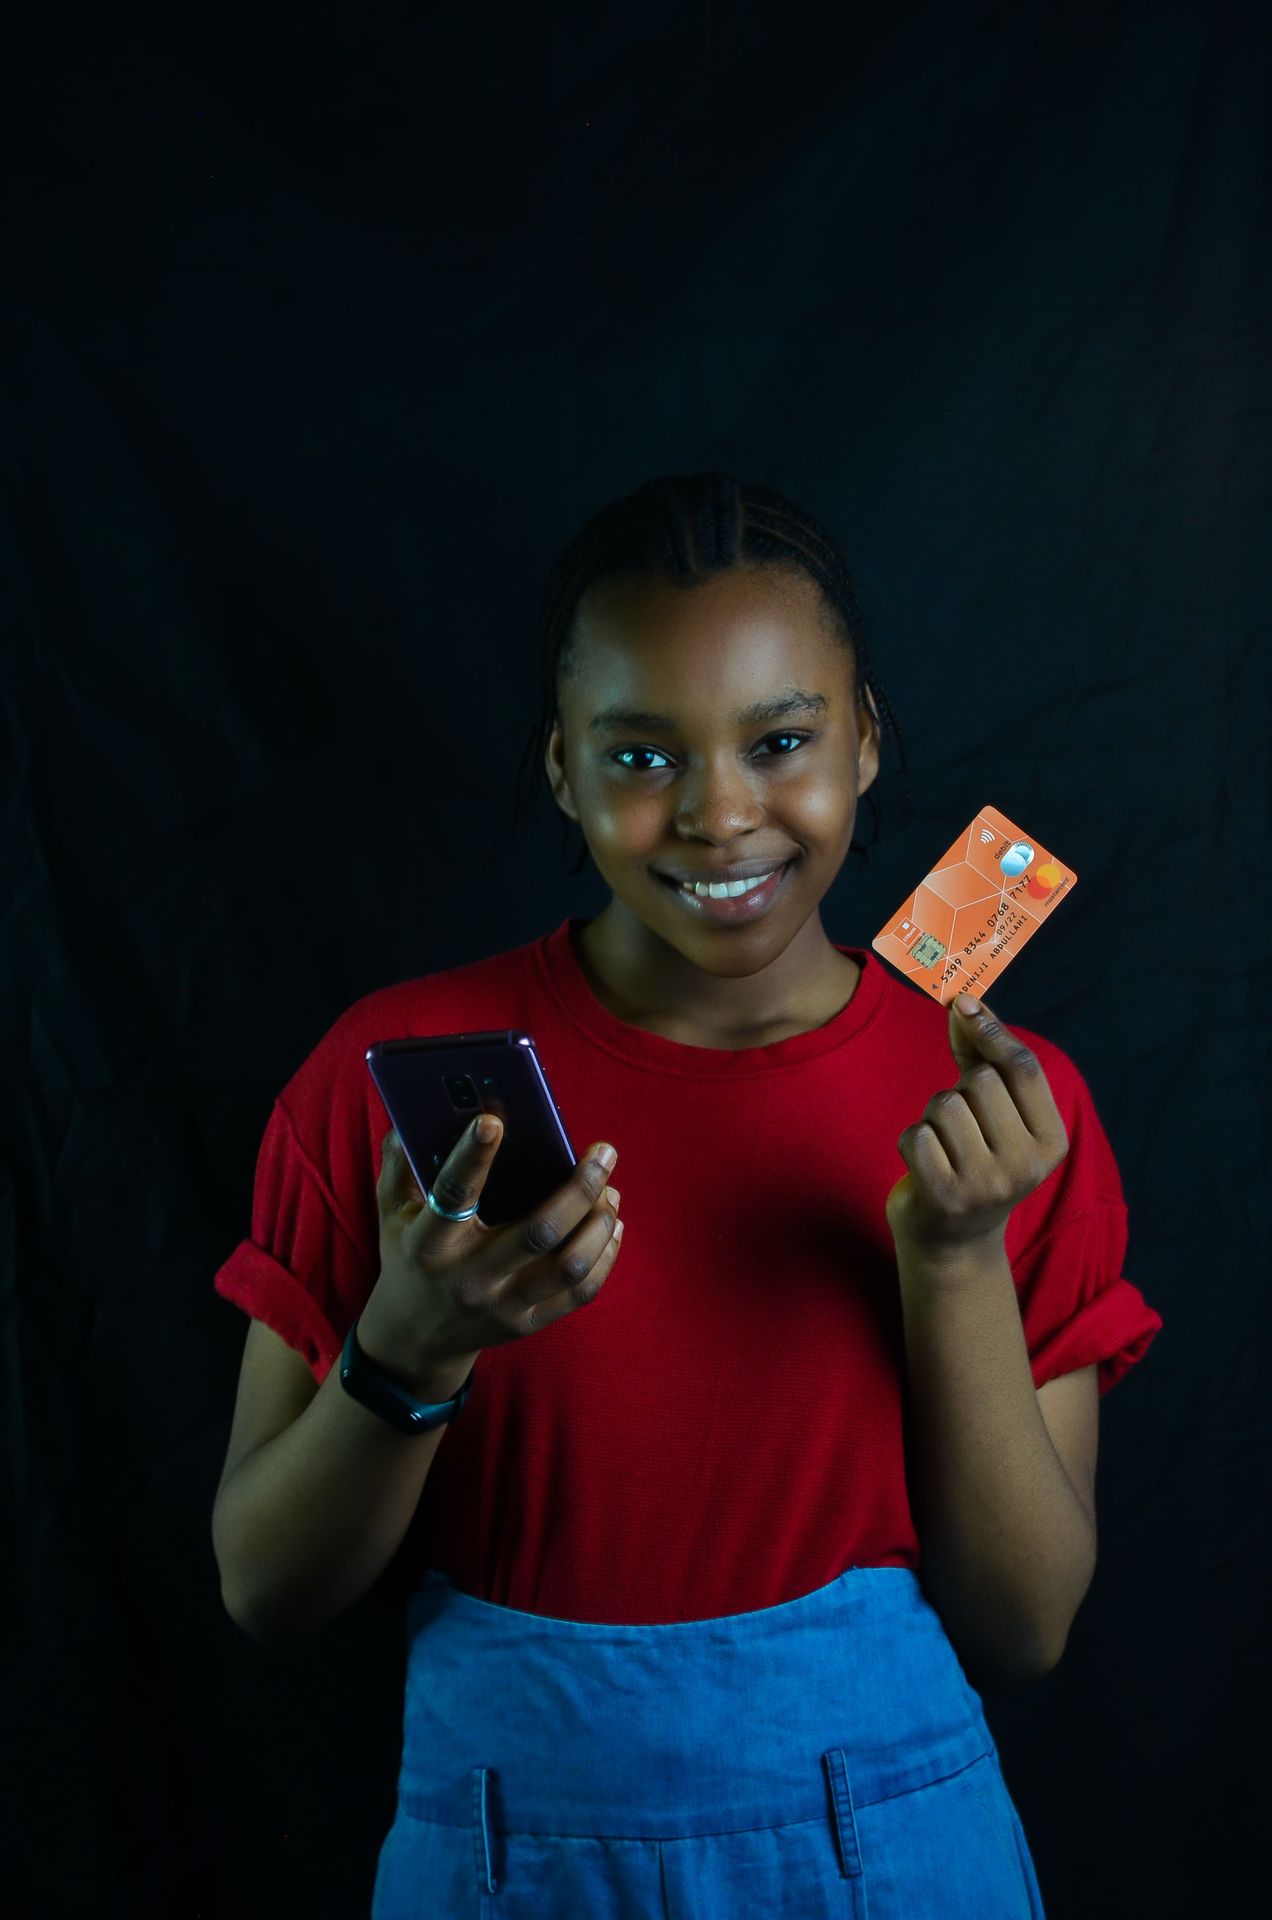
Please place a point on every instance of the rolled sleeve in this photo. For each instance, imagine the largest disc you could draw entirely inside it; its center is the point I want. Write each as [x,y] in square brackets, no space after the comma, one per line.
[299,1271]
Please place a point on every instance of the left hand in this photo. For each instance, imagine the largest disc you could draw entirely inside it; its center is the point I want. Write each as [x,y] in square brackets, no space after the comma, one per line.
[980,1147]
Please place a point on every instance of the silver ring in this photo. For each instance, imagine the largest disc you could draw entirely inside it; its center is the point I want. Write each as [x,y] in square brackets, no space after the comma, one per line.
[467,1214]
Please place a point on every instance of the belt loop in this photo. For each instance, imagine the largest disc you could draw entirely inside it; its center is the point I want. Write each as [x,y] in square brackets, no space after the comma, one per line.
[845,1819]
[486,1880]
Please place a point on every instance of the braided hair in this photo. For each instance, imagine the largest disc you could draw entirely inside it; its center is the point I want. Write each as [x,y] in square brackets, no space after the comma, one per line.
[686,528]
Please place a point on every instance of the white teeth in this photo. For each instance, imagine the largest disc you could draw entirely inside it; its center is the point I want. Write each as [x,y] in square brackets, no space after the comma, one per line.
[728,890]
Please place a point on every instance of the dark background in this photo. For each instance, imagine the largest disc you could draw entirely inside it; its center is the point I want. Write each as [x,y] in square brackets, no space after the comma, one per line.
[323,329]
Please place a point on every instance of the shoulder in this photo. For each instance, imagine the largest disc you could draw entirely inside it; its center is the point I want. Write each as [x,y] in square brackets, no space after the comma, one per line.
[471,994]
[330,1105]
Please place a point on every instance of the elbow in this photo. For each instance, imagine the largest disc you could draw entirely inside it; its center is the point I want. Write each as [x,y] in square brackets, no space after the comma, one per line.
[269,1630]
[1054,1649]
[1005,1681]
[1050,1661]
[999,1675]
[241,1609]
[266,1634]
[236,1600]
[244,1620]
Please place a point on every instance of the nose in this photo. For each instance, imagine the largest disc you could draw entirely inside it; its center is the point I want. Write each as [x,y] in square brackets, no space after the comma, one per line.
[718,804]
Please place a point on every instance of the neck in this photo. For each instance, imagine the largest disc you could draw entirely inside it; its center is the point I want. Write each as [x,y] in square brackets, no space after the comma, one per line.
[649,983]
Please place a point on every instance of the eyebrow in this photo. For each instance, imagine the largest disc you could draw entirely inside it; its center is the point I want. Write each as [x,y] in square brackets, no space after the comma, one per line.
[793,700]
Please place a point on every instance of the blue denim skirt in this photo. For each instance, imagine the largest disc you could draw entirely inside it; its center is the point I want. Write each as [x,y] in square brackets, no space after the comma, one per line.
[823,1757]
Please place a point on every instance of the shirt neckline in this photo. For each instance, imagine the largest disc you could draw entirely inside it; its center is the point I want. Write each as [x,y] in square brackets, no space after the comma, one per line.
[565,979]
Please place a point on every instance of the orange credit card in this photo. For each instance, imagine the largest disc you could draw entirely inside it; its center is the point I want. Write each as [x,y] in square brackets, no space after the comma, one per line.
[971,915]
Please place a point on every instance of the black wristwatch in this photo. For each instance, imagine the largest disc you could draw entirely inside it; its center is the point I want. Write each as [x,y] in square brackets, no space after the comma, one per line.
[374,1389]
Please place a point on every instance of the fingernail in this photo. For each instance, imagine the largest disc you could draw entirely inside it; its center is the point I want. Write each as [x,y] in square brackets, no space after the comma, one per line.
[967,1005]
[606,1156]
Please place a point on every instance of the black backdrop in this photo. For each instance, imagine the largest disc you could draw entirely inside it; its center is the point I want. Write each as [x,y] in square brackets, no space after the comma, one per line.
[324,326]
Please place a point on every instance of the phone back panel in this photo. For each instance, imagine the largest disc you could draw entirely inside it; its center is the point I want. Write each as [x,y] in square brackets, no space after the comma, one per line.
[434,1087]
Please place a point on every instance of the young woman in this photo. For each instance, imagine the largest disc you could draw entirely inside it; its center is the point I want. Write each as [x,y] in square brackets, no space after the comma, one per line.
[711,1544]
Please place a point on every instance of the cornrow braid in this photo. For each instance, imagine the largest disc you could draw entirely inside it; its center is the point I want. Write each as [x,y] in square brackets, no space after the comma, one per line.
[686,528]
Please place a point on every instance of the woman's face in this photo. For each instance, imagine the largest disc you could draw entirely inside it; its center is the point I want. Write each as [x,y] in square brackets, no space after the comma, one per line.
[650,755]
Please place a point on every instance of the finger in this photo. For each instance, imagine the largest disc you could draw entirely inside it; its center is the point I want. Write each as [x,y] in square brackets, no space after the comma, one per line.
[992,1111]
[543,1244]
[951,1130]
[1021,1071]
[580,1292]
[574,1275]
[544,1231]
[457,1184]
[923,1150]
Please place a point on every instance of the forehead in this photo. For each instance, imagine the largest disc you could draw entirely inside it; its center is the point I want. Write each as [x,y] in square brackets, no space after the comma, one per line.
[748,630]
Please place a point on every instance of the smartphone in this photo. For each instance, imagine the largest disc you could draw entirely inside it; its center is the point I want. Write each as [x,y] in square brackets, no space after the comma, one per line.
[435,1087]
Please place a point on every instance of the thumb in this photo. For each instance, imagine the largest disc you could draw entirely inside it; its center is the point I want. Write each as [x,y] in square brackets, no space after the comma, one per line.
[964,1029]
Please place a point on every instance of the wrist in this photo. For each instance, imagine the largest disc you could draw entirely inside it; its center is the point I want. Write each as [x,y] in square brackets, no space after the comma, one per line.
[954,1263]
[425,1377]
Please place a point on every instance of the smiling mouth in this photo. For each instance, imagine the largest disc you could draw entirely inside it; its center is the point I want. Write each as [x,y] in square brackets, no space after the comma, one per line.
[754,902]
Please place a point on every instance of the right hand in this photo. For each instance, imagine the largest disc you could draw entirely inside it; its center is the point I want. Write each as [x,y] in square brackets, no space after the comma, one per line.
[449,1288]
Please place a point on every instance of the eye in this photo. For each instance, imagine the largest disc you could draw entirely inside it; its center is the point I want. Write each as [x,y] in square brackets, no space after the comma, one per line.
[799,738]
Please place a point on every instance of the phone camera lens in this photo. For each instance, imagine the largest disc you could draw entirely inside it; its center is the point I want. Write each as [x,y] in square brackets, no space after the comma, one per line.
[461,1090]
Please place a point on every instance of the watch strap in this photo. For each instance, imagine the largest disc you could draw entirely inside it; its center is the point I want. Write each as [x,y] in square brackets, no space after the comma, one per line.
[373,1389]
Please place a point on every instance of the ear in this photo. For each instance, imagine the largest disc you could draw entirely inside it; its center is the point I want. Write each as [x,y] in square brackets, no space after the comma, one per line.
[554,765]
[869,728]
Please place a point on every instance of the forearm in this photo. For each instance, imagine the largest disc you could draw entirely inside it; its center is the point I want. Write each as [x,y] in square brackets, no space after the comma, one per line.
[1008,1550]
[307,1523]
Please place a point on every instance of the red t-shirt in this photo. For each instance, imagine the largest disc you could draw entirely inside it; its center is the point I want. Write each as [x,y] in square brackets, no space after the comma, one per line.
[722,1428]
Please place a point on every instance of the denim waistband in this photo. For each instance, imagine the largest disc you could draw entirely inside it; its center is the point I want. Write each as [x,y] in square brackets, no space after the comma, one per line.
[692,1727]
